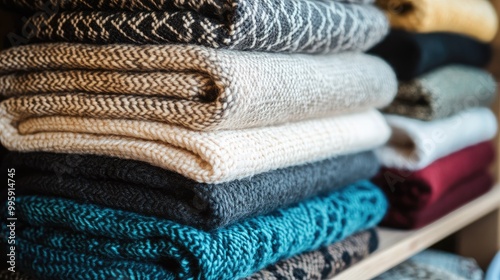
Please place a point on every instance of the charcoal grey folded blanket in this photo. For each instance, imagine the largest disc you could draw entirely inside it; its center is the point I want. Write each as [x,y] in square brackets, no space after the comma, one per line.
[443,93]
[139,187]
[414,54]
[195,87]
[311,26]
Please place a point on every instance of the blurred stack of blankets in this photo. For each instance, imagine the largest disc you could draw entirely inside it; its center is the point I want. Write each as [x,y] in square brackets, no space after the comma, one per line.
[195,139]
[439,154]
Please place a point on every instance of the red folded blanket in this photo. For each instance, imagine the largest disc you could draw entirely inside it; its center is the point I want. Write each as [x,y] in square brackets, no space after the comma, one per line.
[414,190]
[457,196]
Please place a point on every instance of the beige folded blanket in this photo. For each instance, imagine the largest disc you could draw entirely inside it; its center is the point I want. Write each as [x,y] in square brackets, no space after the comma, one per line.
[210,157]
[195,87]
[474,18]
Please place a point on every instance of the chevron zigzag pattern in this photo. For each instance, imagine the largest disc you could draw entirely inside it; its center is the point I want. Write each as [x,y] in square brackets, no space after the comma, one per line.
[192,86]
[217,7]
[309,26]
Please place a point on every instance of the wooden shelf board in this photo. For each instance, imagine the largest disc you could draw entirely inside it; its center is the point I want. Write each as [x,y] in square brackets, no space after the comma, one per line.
[398,245]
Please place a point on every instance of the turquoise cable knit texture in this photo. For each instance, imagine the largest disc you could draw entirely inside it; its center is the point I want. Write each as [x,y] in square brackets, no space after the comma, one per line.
[63,239]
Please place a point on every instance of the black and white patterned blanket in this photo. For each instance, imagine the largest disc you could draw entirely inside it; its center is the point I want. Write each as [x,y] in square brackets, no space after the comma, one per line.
[310,26]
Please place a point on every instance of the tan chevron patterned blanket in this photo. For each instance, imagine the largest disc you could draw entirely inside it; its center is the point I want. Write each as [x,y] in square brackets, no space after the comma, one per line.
[195,87]
[309,26]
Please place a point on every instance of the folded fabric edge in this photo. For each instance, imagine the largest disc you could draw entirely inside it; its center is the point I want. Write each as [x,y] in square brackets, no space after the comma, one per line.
[207,157]
[407,150]
[461,194]
[360,246]
[64,211]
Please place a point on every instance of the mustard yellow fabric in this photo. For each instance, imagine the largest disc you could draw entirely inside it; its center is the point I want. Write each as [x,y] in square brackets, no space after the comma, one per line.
[474,18]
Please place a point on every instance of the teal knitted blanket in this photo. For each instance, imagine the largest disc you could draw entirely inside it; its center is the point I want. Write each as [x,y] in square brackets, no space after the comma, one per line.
[63,239]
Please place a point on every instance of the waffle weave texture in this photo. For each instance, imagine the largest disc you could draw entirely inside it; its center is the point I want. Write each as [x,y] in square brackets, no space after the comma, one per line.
[209,157]
[414,54]
[309,26]
[68,240]
[324,263]
[145,189]
[415,144]
[474,18]
[195,87]
[443,93]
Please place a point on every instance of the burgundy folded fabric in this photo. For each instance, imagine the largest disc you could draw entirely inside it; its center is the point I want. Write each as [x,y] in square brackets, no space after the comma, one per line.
[411,191]
[459,195]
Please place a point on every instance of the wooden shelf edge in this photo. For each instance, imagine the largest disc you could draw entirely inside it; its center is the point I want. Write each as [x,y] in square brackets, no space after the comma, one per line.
[396,246]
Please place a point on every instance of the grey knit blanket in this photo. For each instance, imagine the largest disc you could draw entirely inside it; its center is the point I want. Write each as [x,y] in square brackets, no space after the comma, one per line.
[312,26]
[142,188]
[443,93]
[195,87]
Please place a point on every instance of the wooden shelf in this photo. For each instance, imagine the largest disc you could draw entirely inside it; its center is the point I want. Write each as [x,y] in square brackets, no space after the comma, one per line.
[397,245]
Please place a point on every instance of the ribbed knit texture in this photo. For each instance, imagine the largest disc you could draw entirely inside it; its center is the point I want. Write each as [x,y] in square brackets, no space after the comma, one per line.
[415,144]
[475,18]
[210,157]
[324,263]
[195,87]
[265,25]
[68,240]
[443,93]
[413,54]
[145,189]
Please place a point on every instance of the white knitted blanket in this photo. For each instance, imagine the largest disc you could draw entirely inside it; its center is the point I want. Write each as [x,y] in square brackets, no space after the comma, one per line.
[210,157]
[415,144]
[195,87]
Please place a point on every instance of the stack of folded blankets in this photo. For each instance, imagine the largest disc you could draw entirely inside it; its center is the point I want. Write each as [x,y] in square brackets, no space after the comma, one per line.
[439,153]
[195,139]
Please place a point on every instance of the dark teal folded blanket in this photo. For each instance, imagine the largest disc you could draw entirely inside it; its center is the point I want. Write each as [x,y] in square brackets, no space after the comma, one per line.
[63,239]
